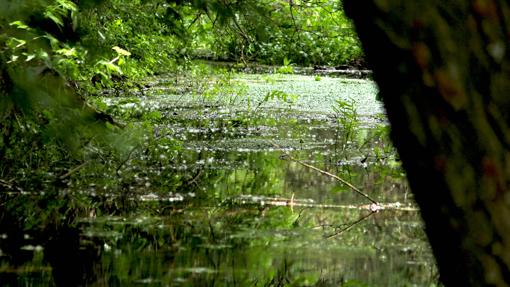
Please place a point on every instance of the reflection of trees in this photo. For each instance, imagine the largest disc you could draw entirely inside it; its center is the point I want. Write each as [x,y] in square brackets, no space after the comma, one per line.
[225,244]
[47,221]
[242,173]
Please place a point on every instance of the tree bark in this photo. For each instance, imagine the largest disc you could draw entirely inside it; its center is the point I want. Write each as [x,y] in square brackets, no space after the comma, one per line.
[443,70]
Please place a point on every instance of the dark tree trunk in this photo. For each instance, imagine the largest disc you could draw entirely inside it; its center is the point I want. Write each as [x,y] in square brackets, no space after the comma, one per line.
[443,70]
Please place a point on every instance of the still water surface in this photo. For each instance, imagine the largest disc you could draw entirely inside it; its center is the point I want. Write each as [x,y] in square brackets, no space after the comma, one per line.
[236,206]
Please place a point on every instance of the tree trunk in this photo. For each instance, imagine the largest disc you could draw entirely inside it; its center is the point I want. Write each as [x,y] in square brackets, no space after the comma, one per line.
[443,70]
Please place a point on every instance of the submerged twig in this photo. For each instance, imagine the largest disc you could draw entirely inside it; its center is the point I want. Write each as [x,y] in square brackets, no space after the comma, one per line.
[350,225]
[194,179]
[126,160]
[9,184]
[6,182]
[73,170]
[345,182]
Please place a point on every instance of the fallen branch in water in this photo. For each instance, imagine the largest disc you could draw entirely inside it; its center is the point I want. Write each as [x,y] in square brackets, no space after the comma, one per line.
[73,170]
[345,182]
[350,225]
[9,184]
[128,157]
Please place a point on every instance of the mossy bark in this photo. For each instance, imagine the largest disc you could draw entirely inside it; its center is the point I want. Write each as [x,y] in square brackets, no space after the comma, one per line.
[443,70]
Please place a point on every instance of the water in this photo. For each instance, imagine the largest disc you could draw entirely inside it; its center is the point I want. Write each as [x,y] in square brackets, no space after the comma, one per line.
[221,195]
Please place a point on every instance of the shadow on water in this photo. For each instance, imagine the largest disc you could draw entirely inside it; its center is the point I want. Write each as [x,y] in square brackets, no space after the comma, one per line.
[211,200]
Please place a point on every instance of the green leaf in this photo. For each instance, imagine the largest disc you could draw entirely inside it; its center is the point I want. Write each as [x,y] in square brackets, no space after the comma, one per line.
[49,14]
[68,5]
[19,25]
[30,58]
[67,52]
[14,58]
[110,67]
[121,51]
[54,42]
[15,43]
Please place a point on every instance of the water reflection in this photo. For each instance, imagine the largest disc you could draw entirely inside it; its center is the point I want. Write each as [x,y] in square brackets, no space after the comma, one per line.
[216,204]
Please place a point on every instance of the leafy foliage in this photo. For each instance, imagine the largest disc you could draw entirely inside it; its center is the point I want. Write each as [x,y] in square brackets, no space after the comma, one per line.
[60,53]
[306,32]
[45,123]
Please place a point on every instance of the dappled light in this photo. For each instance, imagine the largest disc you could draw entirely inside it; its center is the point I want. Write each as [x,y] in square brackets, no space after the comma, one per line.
[198,143]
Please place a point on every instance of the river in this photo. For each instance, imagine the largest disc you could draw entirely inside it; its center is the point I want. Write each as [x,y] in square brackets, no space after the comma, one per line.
[223,193]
